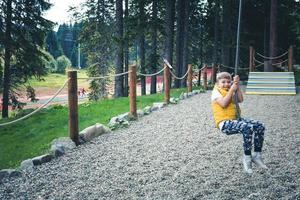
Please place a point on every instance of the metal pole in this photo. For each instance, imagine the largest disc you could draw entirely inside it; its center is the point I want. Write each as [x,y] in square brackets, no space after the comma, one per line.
[237,53]
[79,67]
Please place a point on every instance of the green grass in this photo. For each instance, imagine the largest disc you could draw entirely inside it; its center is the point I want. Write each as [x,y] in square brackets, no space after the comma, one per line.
[31,137]
[55,80]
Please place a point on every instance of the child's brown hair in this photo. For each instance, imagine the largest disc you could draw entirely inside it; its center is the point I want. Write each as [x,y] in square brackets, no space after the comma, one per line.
[223,75]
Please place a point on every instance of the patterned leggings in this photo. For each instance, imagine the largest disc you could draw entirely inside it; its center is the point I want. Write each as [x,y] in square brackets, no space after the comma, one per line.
[246,127]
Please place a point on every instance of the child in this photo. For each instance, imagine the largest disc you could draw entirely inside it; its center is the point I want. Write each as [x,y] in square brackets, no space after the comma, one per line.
[227,120]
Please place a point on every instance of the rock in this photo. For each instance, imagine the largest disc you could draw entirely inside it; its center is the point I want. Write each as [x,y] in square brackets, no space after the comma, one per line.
[157,105]
[181,97]
[113,122]
[59,146]
[4,173]
[91,132]
[15,173]
[190,94]
[185,95]
[140,113]
[174,100]
[124,117]
[7,173]
[27,165]
[42,159]
[147,110]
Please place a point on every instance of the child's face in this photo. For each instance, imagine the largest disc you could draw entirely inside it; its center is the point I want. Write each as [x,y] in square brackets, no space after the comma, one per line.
[224,83]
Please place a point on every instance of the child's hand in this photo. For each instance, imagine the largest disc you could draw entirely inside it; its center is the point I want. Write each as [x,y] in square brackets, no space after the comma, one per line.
[234,87]
[236,78]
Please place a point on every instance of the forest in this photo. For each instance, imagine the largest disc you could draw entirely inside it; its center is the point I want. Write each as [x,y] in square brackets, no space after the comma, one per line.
[109,35]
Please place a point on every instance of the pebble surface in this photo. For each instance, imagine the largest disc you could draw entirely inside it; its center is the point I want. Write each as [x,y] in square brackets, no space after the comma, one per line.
[175,153]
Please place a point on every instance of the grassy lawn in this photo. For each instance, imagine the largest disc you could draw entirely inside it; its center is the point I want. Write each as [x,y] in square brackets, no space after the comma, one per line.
[31,137]
[55,80]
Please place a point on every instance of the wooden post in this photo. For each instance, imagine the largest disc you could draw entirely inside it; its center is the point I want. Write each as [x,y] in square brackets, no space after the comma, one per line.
[213,73]
[167,83]
[251,59]
[73,106]
[190,78]
[132,90]
[253,62]
[290,59]
[199,77]
[205,77]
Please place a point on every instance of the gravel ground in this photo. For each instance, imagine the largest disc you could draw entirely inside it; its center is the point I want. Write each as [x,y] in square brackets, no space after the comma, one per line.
[175,153]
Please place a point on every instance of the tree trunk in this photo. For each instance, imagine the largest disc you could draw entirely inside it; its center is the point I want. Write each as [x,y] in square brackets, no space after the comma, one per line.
[185,51]
[142,46]
[179,41]
[266,34]
[7,57]
[119,80]
[225,31]
[216,32]
[126,50]
[154,62]
[169,29]
[273,32]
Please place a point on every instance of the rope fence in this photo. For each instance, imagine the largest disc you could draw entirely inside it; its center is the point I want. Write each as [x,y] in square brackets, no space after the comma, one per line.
[154,74]
[132,72]
[272,58]
[269,60]
[38,109]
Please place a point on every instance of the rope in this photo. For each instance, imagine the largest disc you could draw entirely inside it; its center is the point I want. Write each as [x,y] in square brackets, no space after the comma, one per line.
[198,70]
[180,78]
[279,63]
[169,65]
[103,77]
[259,65]
[271,58]
[38,109]
[152,74]
[233,67]
[258,61]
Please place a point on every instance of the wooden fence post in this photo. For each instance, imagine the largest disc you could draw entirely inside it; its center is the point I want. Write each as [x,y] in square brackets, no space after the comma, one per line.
[290,59]
[132,90]
[251,59]
[213,73]
[205,77]
[167,83]
[190,78]
[73,106]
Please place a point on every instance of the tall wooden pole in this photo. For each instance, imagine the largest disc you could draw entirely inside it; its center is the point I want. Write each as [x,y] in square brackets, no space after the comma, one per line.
[190,78]
[290,59]
[205,77]
[167,83]
[73,106]
[132,90]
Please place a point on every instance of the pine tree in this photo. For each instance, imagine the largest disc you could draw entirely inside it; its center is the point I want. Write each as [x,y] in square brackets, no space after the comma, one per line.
[23,57]
[52,45]
[96,41]
[119,80]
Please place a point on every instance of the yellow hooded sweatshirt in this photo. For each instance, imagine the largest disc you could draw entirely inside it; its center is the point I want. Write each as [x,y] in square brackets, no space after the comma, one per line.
[220,113]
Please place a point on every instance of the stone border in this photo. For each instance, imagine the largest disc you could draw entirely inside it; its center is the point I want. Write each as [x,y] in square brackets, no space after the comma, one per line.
[61,146]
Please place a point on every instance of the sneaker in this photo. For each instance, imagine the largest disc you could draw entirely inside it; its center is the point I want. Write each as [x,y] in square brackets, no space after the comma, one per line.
[257,159]
[247,162]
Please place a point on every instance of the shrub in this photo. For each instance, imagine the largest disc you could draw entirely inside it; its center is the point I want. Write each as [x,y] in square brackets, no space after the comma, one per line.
[62,63]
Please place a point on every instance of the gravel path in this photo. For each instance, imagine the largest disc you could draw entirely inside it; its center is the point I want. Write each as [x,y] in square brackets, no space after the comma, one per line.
[175,153]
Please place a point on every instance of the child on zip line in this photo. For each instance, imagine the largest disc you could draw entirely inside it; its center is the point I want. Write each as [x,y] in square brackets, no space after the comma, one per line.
[226,116]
